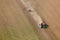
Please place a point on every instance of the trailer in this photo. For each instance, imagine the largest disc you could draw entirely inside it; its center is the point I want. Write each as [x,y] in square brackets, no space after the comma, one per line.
[34,15]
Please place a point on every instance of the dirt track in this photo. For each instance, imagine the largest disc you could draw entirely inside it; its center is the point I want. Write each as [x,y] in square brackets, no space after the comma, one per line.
[14,22]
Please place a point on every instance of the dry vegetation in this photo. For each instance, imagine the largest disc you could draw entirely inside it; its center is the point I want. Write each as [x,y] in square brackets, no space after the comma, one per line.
[13,23]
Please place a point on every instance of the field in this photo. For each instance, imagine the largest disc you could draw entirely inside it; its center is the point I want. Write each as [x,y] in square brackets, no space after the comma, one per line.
[13,23]
[16,25]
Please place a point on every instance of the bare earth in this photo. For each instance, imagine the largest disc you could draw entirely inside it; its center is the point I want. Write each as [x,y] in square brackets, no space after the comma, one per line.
[16,25]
